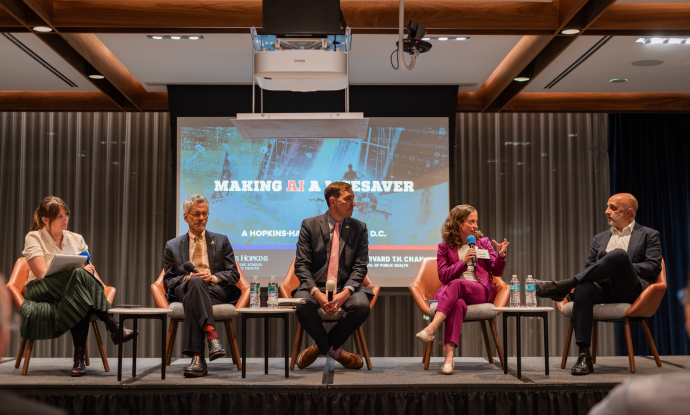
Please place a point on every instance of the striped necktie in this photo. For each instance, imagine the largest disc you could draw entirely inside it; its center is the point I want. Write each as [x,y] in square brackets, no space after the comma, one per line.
[197,260]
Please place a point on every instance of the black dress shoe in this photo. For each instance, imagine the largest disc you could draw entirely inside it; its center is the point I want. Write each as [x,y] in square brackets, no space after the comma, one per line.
[215,349]
[583,366]
[548,289]
[197,368]
[113,326]
[79,368]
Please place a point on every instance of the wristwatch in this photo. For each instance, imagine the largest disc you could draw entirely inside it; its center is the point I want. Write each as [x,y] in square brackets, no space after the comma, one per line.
[312,290]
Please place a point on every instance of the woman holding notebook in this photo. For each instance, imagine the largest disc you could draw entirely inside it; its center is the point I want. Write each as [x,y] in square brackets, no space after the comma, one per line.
[64,300]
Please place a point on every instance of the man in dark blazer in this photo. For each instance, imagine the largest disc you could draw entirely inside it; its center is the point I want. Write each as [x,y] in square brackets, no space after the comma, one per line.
[317,262]
[214,283]
[622,262]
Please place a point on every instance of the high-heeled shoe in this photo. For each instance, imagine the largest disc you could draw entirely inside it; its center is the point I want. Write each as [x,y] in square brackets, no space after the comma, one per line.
[447,369]
[424,337]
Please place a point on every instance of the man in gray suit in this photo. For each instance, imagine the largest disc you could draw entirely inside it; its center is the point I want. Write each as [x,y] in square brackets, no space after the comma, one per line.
[663,394]
[622,262]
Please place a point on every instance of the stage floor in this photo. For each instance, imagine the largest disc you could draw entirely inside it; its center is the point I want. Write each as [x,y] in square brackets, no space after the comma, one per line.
[388,372]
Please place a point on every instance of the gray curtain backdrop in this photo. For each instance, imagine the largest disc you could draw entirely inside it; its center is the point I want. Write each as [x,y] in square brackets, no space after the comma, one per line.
[539,180]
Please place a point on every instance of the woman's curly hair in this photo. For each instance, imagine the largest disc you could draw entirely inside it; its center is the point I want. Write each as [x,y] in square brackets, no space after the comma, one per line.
[450,232]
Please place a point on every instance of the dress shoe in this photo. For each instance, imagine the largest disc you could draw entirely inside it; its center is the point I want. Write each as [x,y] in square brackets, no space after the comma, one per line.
[215,349]
[548,289]
[583,366]
[424,337]
[350,360]
[308,356]
[113,326]
[447,369]
[79,368]
[197,368]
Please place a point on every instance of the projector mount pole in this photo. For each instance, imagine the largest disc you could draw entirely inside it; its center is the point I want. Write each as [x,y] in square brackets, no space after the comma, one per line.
[348,33]
[253,33]
[401,45]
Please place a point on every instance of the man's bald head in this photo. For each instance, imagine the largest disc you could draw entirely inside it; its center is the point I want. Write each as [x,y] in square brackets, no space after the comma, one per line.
[621,210]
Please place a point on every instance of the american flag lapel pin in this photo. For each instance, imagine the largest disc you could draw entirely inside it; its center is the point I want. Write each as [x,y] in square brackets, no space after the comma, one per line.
[213,242]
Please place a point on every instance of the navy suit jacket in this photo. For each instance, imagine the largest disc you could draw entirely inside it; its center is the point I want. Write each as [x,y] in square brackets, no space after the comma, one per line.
[221,260]
[644,251]
[314,251]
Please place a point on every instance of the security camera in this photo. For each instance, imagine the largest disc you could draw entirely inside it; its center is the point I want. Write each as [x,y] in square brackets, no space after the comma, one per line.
[414,43]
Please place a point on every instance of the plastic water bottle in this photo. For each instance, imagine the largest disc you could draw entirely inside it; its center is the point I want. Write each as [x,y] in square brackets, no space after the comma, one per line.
[255,297]
[272,293]
[515,292]
[530,292]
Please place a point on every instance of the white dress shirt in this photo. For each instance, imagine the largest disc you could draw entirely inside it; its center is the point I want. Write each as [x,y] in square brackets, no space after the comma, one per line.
[620,239]
[40,243]
[470,274]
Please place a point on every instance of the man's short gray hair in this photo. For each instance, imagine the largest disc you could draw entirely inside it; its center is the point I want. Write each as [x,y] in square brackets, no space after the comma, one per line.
[193,200]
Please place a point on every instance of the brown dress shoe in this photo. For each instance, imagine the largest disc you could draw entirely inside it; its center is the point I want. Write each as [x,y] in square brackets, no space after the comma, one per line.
[350,360]
[308,356]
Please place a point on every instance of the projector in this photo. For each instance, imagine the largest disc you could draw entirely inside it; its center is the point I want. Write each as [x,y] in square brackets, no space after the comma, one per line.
[301,70]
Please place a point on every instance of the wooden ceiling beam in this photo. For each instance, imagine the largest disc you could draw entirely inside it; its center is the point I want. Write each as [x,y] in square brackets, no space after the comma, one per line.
[660,19]
[56,101]
[598,102]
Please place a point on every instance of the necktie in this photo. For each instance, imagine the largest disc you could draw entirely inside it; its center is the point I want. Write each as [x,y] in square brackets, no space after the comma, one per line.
[198,262]
[333,262]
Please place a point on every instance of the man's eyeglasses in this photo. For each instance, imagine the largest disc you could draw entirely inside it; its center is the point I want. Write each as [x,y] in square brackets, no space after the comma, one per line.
[197,215]
[684,297]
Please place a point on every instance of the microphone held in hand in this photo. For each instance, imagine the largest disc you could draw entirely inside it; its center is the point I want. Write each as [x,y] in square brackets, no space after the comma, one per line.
[189,267]
[88,257]
[330,287]
[471,241]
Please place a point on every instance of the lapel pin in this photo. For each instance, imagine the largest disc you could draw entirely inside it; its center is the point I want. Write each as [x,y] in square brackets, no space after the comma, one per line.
[347,227]
[213,242]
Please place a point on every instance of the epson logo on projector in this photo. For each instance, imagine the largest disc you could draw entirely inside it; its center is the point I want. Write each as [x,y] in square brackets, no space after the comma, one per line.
[299,60]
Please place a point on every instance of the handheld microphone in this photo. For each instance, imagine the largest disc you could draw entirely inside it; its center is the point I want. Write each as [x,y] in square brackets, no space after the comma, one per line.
[330,287]
[88,257]
[189,267]
[471,241]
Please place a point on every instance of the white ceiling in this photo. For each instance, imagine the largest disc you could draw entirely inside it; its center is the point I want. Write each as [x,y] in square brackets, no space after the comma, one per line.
[22,73]
[226,59]
[614,60]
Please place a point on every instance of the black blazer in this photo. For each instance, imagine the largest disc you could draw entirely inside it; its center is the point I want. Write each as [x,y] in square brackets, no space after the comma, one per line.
[221,259]
[314,250]
[644,251]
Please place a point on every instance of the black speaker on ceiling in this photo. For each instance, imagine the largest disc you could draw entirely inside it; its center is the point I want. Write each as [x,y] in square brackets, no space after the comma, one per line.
[301,17]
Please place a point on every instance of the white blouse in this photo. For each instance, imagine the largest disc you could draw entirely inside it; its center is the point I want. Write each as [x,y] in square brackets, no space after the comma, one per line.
[40,243]
[468,275]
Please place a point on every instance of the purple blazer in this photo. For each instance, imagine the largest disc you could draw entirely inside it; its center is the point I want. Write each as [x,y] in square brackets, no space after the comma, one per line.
[450,267]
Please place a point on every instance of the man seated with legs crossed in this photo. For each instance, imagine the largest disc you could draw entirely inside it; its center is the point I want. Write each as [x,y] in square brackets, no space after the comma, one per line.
[332,247]
[622,262]
[214,283]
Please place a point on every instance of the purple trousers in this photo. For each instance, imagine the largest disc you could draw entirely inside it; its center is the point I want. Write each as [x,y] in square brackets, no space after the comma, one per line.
[453,303]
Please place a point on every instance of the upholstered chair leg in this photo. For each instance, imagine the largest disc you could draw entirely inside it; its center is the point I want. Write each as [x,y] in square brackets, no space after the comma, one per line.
[235,349]
[101,349]
[497,341]
[355,337]
[19,355]
[297,346]
[365,349]
[650,340]
[427,355]
[628,342]
[27,356]
[595,332]
[567,344]
[486,341]
[170,342]
[86,353]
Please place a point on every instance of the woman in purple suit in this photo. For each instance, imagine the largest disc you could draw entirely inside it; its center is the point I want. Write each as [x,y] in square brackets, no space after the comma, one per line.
[463,283]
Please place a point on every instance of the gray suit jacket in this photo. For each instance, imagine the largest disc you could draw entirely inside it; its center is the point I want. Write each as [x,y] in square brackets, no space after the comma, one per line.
[644,251]
[314,250]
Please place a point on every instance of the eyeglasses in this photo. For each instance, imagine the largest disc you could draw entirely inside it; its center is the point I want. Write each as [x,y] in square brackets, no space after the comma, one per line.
[684,297]
[199,215]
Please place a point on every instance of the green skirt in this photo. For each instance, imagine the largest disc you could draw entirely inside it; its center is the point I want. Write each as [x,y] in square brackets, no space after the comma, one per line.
[54,304]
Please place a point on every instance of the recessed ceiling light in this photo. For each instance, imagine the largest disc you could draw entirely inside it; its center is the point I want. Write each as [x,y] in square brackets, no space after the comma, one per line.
[522,79]
[157,37]
[175,37]
[641,40]
[675,41]
[426,38]
[443,38]
[96,76]
[42,29]
[647,62]
[194,37]
[570,31]
[618,81]
[461,38]
[657,40]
